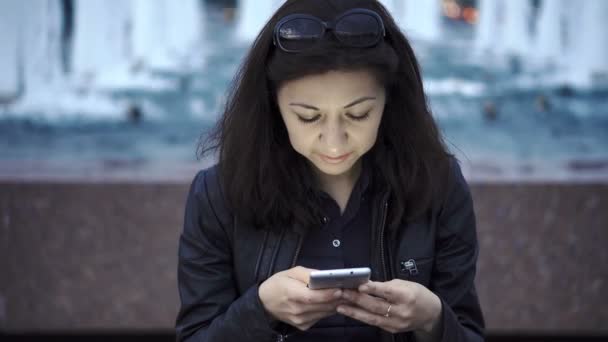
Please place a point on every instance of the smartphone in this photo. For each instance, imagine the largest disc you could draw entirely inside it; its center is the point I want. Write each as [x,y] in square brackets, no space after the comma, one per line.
[344,278]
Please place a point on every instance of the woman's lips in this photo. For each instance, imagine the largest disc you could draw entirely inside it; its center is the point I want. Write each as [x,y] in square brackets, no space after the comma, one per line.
[335,160]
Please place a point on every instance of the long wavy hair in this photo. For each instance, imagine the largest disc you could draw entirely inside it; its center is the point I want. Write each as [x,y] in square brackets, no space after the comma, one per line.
[266,182]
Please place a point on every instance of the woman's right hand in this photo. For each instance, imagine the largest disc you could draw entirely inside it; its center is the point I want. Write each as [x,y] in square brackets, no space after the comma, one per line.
[287,298]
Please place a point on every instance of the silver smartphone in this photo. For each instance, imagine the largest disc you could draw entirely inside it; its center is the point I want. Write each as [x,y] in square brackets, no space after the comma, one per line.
[344,278]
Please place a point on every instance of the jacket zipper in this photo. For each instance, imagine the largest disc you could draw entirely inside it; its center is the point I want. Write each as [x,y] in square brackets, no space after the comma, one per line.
[274,254]
[382,257]
[260,254]
[295,257]
[283,337]
[381,240]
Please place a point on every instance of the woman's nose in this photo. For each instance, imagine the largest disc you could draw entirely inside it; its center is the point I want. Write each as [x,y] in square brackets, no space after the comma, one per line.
[334,136]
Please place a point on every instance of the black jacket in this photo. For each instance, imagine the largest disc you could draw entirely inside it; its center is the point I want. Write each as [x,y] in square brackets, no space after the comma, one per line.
[222,261]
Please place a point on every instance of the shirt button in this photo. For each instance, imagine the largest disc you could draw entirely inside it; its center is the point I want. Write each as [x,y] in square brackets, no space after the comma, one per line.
[336,243]
[325,219]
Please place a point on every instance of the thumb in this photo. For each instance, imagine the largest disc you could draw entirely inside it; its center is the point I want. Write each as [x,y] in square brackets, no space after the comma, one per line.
[300,273]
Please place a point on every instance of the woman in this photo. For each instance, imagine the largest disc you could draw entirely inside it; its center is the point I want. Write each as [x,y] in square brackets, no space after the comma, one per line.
[328,158]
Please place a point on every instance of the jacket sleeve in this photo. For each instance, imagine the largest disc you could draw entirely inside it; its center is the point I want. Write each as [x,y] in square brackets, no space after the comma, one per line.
[455,264]
[211,308]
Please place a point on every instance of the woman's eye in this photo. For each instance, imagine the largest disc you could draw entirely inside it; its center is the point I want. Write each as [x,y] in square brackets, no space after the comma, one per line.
[359,117]
[307,120]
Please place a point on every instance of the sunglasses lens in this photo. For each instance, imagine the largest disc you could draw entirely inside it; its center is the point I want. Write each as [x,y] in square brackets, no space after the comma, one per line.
[298,34]
[359,30]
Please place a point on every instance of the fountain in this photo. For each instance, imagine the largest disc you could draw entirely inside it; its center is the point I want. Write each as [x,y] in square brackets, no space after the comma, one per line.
[420,19]
[164,34]
[588,60]
[390,6]
[137,35]
[487,33]
[566,39]
[504,27]
[252,15]
[10,54]
[143,37]
[38,29]
[115,45]
[548,40]
[516,34]
[43,87]
[185,30]
[133,60]
[100,23]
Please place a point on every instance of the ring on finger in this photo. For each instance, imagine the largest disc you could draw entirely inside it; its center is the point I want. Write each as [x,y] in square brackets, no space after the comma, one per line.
[388,311]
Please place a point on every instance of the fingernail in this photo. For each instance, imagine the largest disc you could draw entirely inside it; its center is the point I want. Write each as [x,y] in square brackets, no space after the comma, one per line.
[338,294]
[364,288]
[340,309]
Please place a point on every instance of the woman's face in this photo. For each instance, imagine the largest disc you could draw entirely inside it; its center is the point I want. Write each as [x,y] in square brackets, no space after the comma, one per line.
[332,118]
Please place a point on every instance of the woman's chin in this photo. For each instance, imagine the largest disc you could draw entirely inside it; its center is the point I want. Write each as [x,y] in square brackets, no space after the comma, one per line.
[334,169]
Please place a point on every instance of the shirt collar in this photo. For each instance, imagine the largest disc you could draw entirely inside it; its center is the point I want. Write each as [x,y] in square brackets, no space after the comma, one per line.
[362,183]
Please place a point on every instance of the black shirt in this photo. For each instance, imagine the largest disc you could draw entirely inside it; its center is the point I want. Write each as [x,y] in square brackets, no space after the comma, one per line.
[343,241]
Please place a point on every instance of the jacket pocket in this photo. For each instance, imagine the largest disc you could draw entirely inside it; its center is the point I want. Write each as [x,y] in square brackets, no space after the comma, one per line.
[415,269]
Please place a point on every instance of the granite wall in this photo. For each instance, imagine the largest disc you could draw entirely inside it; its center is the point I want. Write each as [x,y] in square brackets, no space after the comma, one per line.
[80,257]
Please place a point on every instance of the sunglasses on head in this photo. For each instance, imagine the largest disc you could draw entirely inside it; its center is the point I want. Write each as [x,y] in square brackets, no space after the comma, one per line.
[355,28]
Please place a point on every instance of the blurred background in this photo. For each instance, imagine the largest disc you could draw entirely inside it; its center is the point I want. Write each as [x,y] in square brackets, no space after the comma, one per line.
[102,103]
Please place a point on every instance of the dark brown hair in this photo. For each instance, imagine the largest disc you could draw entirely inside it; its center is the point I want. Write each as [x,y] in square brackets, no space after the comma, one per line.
[266,182]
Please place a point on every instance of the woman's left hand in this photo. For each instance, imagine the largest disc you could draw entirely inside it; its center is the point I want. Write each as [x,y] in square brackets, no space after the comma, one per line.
[412,306]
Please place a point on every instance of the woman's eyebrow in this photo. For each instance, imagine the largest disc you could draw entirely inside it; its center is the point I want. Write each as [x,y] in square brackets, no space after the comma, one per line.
[356,102]
[304,105]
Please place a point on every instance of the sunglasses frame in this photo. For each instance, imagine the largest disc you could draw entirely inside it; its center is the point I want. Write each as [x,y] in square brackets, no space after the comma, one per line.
[328,26]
